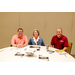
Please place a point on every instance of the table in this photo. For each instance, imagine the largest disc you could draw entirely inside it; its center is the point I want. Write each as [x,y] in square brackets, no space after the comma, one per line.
[8,55]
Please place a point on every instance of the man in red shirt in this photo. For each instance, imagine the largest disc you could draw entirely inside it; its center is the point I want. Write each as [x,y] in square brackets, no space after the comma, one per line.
[59,41]
[19,40]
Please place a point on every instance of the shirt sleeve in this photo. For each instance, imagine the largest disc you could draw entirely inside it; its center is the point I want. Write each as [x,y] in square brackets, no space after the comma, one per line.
[13,40]
[29,42]
[43,43]
[66,42]
[52,41]
[26,39]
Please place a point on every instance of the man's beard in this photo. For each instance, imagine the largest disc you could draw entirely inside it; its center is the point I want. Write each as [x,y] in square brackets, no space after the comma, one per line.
[58,35]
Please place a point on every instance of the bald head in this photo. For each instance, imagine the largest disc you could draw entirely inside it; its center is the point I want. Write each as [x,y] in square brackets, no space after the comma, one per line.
[59,28]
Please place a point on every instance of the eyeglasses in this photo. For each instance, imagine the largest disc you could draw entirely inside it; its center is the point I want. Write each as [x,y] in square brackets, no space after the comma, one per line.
[20,31]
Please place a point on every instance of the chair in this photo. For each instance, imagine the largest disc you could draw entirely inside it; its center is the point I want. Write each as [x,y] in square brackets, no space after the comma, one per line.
[69,47]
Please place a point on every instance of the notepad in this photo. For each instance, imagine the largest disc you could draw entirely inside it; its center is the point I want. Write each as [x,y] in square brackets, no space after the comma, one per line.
[43,57]
[61,52]
[19,54]
[34,46]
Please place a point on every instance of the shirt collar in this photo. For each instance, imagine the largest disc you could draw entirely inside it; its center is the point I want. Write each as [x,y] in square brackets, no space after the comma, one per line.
[37,38]
[18,36]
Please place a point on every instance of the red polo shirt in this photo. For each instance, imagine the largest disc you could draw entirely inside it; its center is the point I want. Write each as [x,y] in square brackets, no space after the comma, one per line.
[59,43]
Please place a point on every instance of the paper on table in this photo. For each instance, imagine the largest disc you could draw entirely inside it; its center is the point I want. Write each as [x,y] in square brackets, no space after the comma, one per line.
[69,56]
[19,54]
[15,48]
[61,52]
[53,49]
[43,57]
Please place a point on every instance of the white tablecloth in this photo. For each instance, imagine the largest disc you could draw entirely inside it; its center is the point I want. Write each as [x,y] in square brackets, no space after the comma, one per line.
[8,55]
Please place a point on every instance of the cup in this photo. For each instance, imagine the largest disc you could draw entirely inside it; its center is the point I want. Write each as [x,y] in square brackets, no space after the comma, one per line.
[38,49]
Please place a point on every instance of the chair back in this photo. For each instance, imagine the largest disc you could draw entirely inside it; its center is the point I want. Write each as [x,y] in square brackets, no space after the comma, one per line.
[69,48]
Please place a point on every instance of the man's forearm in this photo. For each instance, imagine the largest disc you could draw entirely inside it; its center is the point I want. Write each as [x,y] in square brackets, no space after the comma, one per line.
[14,45]
[51,46]
[65,48]
[26,44]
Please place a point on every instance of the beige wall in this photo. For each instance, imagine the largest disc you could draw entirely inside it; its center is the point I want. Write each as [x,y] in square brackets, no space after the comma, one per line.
[46,22]
[9,22]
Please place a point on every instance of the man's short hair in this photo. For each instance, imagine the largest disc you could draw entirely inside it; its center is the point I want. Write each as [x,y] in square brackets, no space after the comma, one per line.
[19,29]
[60,28]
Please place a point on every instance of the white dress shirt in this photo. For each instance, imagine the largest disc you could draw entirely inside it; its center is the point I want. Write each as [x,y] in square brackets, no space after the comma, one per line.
[36,40]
